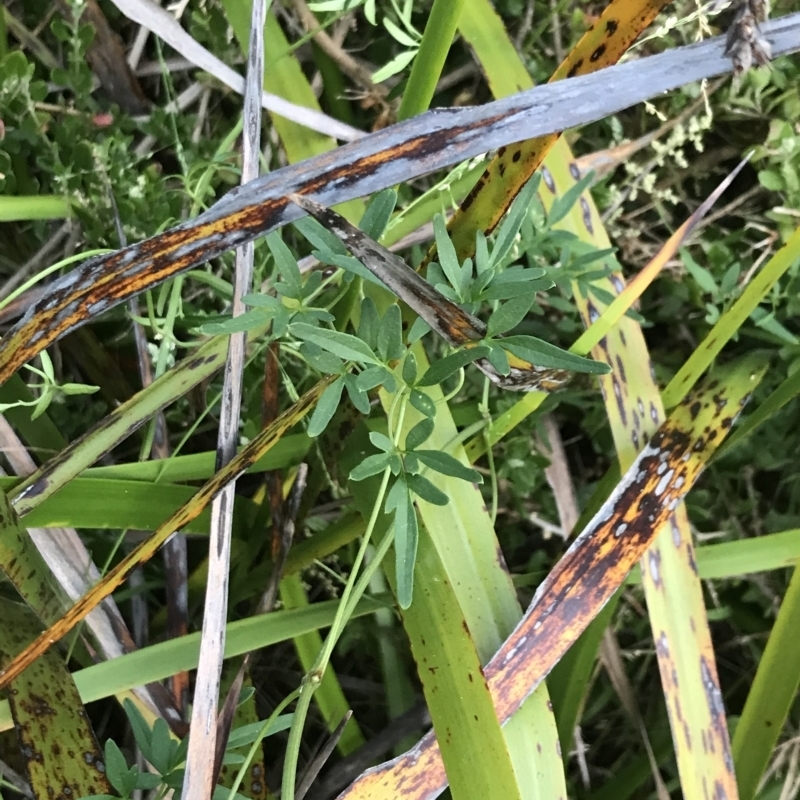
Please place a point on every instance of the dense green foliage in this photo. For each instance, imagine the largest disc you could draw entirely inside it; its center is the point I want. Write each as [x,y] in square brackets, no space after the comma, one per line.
[64,139]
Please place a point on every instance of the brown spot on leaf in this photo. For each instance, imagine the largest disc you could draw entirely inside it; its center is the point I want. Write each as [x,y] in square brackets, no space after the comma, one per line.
[573,70]
[623,412]
[692,562]
[621,369]
[597,54]
[654,567]
[699,445]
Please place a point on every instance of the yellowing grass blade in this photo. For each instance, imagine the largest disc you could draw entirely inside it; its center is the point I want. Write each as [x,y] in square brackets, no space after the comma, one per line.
[241,462]
[636,287]
[602,45]
[634,408]
[590,572]
[60,752]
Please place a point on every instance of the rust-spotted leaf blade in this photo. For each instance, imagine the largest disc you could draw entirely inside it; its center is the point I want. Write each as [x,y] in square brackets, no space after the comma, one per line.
[601,46]
[591,570]
[450,321]
[419,146]
[185,514]
[61,755]
[600,558]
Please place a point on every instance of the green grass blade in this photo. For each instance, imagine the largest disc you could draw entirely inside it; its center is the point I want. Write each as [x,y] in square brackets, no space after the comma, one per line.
[463,535]
[291,450]
[447,653]
[732,320]
[429,61]
[121,504]
[159,661]
[771,696]
[474,748]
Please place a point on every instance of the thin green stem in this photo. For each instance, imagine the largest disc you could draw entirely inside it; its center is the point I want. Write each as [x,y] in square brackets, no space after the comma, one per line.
[251,753]
[363,582]
[457,388]
[50,270]
[353,591]
[307,689]
[351,594]
[428,64]
[40,206]
[348,593]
